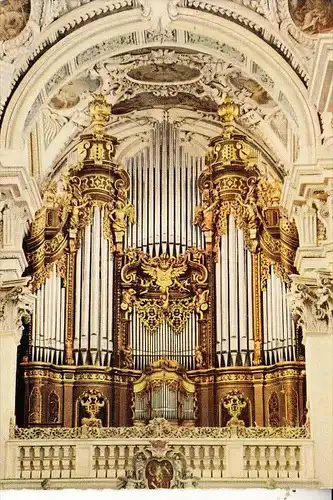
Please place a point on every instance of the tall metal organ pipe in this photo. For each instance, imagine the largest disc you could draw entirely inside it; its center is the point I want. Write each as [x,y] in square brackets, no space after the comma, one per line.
[93,296]
[234,333]
[49,320]
[164,192]
[278,327]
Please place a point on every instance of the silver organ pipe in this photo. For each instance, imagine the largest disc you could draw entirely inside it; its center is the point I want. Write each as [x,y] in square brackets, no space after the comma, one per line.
[84,333]
[93,296]
[234,329]
[78,292]
[48,320]
[242,303]
[233,302]
[278,326]
[149,347]
[164,192]
[104,255]
[249,315]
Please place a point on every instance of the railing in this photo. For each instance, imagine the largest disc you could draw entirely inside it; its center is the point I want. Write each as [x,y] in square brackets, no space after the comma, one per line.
[214,456]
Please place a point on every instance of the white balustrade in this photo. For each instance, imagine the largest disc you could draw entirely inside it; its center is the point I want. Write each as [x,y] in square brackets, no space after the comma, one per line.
[248,460]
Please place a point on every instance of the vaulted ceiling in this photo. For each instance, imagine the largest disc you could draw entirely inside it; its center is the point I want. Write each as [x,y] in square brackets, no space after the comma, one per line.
[155,58]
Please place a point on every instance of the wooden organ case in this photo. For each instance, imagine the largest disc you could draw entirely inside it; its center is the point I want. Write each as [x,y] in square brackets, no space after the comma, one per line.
[161,287]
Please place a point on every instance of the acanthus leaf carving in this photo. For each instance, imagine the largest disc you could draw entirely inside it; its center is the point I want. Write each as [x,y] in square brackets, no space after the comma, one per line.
[16,306]
[312,304]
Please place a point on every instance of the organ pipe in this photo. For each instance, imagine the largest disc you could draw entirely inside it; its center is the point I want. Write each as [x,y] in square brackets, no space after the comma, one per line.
[164,194]
[278,327]
[94,295]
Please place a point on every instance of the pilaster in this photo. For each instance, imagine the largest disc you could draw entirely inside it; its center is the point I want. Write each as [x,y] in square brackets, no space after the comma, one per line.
[308,199]
[16,303]
[312,303]
[19,200]
[6,74]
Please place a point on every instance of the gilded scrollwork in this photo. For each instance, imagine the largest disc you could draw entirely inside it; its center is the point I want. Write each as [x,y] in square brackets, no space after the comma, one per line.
[92,401]
[164,288]
[232,184]
[69,203]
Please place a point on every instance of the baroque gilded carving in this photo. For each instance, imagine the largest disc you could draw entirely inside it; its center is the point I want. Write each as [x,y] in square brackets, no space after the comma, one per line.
[158,466]
[231,184]
[92,401]
[164,288]
[96,181]
[159,428]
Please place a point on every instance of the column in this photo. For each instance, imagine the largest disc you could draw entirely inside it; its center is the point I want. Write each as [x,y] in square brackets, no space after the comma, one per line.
[312,302]
[16,302]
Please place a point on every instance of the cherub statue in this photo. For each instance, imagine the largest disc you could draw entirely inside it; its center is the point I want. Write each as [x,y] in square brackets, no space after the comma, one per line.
[120,214]
[252,214]
[128,299]
[204,217]
[128,357]
[201,301]
[199,363]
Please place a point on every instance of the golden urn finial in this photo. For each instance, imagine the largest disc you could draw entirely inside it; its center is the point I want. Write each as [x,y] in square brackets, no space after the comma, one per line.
[228,110]
[100,112]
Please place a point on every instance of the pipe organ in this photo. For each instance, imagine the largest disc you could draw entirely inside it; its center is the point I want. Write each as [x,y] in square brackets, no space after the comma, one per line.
[161,285]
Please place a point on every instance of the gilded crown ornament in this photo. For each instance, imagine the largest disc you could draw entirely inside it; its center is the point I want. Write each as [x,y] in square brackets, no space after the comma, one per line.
[228,110]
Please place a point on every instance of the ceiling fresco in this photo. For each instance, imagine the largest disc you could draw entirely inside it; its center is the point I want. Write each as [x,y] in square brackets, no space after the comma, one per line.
[148,100]
[256,91]
[14,15]
[312,16]
[71,93]
[164,79]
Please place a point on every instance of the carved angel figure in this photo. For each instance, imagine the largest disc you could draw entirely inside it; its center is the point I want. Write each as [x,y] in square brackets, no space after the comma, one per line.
[204,217]
[198,358]
[128,357]
[122,213]
[128,299]
[252,214]
[201,301]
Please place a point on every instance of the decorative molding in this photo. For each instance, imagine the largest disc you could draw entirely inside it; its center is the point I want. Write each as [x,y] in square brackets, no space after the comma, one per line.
[159,428]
